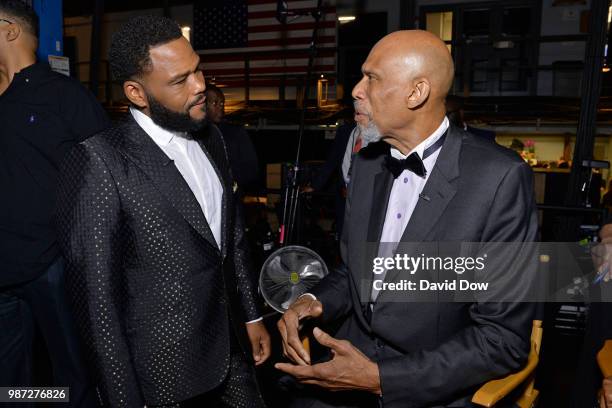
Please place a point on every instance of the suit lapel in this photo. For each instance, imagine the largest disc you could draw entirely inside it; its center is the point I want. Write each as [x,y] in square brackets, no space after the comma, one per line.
[165,176]
[212,152]
[381,190]
[435,197]
[382,182]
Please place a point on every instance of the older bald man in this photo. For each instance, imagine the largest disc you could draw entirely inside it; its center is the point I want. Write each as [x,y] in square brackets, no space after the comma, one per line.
[426,181]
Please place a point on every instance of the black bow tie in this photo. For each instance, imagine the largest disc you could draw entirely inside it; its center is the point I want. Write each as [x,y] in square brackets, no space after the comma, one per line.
[413,162]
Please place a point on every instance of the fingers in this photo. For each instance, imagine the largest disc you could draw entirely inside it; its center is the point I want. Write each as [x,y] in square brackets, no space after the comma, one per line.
[295,346]
[256,350]
[312,375]
[288,351]
[299,372]
[315,309]
[292,347]
[260,341]
[288,327]
[265,349]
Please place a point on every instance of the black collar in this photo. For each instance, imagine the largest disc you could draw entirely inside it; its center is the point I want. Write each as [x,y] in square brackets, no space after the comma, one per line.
[28,78]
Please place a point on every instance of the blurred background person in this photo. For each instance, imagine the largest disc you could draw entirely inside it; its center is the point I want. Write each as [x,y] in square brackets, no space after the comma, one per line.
[240,148]
[42,115]
[350,138]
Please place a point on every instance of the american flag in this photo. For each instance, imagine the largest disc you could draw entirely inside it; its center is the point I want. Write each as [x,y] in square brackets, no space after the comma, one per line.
[227,34]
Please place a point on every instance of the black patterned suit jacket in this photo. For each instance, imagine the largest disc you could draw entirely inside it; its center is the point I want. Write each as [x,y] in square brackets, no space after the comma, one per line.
[153,294]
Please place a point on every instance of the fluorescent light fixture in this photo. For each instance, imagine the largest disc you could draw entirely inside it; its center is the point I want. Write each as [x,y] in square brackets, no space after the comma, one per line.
[345,19]
[186,31]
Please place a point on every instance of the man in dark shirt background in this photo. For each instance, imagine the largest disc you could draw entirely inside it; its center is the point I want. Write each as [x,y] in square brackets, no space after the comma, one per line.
[42,115]
[240,149]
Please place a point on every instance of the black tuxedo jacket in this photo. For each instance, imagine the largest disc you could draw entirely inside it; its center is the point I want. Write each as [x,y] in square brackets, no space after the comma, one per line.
[436,353]
[152,292]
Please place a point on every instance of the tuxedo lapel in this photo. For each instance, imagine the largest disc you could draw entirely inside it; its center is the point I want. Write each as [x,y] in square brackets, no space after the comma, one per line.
[165,176]
[438,191]
[435,197]
[382,182]
[213,152]
[381,190]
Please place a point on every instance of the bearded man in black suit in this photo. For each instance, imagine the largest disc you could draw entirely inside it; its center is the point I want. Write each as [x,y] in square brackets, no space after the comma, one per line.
[153,235]
[425,182]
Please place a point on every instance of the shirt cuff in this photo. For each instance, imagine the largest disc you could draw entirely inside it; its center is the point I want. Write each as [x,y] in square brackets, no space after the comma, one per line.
[308,294]
[259,319]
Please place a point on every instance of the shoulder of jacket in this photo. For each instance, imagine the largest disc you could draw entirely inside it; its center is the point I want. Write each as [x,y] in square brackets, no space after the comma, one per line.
[487,151]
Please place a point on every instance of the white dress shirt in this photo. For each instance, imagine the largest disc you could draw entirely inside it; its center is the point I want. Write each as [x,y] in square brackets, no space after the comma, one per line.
[404,197]
[407,187]
[194,166]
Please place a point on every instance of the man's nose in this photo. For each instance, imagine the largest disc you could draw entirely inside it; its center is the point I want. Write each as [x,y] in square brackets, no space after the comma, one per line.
[199,84]
[358,90]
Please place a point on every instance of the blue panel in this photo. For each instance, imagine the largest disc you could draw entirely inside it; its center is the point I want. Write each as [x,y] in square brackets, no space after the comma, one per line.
[51,27]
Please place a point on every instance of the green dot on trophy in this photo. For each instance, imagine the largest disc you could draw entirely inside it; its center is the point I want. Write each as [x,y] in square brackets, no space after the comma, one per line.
[295,278]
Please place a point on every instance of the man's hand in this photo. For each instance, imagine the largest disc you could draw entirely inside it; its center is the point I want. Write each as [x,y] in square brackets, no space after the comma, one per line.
[349,369]
[605,399]
[288,326]
[260,341]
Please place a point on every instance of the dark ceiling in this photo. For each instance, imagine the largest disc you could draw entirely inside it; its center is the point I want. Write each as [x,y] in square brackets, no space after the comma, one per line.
[84,8]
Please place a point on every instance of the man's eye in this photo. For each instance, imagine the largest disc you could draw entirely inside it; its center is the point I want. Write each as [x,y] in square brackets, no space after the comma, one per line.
[181,81]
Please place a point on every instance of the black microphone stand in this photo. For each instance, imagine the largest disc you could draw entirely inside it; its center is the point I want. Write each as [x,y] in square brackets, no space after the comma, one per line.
[292,188]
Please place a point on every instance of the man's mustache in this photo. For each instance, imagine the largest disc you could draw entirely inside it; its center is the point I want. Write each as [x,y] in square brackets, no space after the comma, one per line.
[358,109]
[197,102]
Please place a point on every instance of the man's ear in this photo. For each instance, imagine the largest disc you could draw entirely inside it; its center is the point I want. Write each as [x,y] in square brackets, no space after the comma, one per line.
[135,94]
[418,94]
[13,32]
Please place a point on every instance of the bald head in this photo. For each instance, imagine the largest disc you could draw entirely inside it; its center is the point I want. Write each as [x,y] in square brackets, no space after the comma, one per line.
[406,78]
[418,55]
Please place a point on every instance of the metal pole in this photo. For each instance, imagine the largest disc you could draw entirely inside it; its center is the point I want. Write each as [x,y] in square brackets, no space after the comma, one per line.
[591,86]
[96,39]
[292,192]
[311,57]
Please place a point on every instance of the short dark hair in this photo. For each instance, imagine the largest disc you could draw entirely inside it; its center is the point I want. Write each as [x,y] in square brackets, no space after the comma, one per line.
[129,51]
[22,12]
[214,88]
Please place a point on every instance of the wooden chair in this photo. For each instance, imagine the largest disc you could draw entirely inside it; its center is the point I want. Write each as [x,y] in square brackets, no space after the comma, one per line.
[604,359]
[493,391]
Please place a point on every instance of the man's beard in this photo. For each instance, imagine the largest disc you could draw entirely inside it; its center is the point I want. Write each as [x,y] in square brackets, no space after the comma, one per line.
[369,133]
[172,120]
